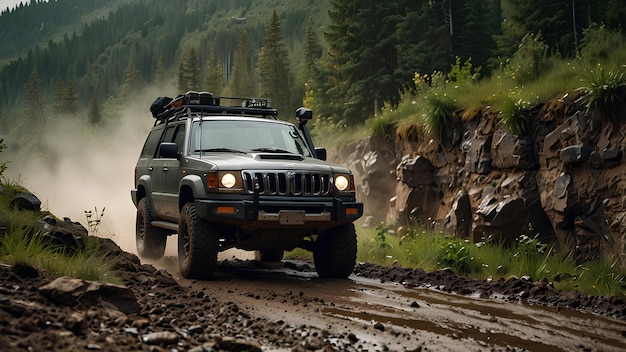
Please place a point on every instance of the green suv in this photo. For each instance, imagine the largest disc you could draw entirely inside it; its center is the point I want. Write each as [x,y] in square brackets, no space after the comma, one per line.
[234,176]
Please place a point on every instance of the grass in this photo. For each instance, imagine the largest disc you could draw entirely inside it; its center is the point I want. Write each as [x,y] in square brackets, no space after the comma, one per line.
[418,248]
[22,244]
[17,246]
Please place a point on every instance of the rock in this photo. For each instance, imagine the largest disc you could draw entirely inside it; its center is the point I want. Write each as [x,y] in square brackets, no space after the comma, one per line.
[160,338]
[563,197]
[459,219]
[70,292]
[415,172]
[26,201]
[510,151]
[575,154]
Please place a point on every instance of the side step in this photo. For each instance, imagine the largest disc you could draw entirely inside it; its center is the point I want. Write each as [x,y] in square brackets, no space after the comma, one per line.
[165,225]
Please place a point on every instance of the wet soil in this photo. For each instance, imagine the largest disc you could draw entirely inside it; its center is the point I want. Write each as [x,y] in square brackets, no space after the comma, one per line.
[253,306]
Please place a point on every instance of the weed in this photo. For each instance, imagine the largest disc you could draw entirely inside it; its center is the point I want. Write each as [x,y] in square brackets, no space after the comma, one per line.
[514,115]
[606,92]
[438,119]
[94,219]
[455,253]
[461,74]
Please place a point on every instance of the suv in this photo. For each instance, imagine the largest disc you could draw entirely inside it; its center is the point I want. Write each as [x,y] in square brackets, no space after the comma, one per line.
[234,176]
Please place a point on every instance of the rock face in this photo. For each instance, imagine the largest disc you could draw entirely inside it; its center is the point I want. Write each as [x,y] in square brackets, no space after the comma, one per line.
[563,181]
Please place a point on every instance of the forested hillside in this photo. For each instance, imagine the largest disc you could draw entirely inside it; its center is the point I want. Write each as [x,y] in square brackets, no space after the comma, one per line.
[344,58]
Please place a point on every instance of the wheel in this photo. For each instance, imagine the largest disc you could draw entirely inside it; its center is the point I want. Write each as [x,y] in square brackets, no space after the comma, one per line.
[150,240]
[334,253]
[269,255]
[197,245]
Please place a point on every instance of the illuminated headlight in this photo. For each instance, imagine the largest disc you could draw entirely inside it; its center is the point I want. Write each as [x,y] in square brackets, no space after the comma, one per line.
[229,180]
[224,181]
[342,183]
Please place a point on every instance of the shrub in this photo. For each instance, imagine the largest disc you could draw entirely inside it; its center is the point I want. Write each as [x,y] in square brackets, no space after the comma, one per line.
[598,43]
[4,164]
[529,61]
[438,118]
[606,93]
[514,115]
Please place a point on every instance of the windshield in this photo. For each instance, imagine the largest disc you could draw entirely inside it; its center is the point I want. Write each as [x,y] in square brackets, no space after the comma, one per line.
[246,136]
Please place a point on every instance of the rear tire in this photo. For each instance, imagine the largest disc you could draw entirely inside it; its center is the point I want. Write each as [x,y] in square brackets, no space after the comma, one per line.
[197,245]
[335,252]
[150,240]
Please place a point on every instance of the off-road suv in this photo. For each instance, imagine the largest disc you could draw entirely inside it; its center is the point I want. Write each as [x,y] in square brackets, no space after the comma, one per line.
[234,176]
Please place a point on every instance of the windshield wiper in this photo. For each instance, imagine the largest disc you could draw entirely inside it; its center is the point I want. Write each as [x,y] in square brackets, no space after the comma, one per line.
[225,150]
[271,150]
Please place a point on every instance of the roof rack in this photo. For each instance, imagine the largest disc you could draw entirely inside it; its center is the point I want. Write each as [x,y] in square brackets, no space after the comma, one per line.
[164,107]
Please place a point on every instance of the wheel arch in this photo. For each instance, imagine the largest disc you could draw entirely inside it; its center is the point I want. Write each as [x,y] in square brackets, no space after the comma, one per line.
[191,187]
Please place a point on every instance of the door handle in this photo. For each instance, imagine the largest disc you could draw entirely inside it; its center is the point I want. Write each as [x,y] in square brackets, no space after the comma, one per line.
[150,168]
[165,168]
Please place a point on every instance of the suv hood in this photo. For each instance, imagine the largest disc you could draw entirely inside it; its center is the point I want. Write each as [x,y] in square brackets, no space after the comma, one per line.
[270,161]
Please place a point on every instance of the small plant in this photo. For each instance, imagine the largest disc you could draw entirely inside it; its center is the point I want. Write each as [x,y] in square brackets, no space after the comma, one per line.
[94,219]
[455,253]
[460,74]
[606,93]
[514,115]
[438,119]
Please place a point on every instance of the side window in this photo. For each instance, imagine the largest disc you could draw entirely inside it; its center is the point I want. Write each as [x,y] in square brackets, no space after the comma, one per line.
[168,136]
[149,148]
[179,138]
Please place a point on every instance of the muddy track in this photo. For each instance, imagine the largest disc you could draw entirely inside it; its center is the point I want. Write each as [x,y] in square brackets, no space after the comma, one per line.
[375,315]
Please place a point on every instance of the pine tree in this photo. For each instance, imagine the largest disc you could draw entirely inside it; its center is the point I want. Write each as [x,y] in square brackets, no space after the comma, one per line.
[242,77]
[132,80]
[180,74]
[94,117]
[70,98]
[59,92]
[33,108]
[274,73]
[213,75]
[160,74]
[192,70]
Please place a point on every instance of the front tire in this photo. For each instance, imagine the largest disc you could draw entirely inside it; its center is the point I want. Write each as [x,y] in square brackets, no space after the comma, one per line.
[197,245]
[334,253]
[150,240]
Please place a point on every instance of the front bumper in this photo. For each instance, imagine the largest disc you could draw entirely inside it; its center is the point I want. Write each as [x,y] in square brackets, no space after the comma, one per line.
[280,214]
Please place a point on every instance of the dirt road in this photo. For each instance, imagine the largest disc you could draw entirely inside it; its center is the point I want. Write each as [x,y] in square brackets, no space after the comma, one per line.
[375,315]
[254,306]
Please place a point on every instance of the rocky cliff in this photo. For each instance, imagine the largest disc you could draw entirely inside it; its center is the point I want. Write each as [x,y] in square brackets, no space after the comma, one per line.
[563,180]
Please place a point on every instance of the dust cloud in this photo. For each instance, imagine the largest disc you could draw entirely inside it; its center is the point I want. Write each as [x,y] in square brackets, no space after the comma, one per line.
[92,169]
[83,168]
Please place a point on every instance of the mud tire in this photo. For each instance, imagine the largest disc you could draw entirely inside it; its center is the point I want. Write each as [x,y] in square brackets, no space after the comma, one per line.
[150,240]
[334,253]
[197,245]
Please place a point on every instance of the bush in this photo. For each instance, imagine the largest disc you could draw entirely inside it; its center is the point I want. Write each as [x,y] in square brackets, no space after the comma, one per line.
[606,93]
[514,115]
[438,118]
[529,61]
[598,43]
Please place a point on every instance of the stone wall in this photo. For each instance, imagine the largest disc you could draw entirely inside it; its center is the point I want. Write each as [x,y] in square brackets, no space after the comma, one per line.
[564,181]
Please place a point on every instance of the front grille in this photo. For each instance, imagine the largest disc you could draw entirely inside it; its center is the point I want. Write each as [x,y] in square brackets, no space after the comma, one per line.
[287,183]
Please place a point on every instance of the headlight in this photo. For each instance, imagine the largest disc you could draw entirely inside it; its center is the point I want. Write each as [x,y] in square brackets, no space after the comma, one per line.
[229,180]
[224,181]
[342,183]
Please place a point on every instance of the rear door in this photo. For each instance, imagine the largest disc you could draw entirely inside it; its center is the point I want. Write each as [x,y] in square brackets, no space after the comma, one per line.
[166,176]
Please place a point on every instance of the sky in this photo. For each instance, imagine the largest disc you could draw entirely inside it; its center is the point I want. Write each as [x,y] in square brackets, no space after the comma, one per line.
[11,3]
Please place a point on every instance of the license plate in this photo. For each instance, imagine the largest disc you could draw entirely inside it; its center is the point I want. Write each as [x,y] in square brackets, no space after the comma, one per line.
[291,217]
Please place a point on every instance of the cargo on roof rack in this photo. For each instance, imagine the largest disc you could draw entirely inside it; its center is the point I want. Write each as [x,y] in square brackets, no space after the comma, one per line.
[164,107]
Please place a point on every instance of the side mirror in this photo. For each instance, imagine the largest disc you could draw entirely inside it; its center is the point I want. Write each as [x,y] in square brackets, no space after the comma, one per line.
[320,153]
[303,115]
[168,150]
